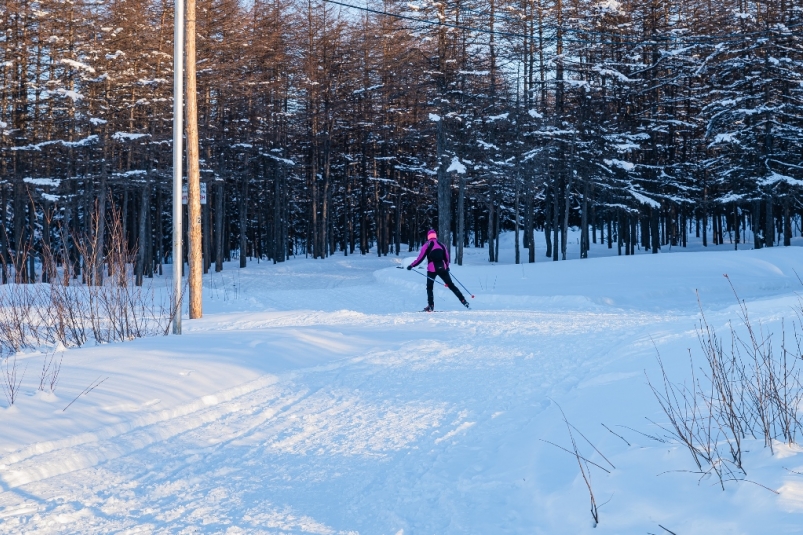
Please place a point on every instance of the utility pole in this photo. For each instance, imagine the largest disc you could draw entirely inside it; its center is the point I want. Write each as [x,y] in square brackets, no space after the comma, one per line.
[178,130]
[195,275]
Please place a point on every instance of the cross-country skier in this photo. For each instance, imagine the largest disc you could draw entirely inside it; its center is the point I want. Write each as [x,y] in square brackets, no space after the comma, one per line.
[438,257]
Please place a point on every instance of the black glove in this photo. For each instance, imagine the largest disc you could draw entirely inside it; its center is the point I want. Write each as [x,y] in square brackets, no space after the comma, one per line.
[409,267]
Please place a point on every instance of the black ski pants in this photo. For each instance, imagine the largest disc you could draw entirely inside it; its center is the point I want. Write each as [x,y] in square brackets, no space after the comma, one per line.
[444,275]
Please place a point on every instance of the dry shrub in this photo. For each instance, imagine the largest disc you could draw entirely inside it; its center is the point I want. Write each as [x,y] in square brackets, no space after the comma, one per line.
[74,311]
[746,389]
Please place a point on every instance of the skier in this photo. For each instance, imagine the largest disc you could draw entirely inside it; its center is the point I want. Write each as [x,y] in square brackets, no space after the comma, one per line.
[438,257]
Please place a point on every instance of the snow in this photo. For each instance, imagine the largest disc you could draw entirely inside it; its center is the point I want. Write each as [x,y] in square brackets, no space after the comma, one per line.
[69,93]
[730,137]
[611,5]
[372,88]
[434,117]
[627,166]
[97,121]
[54,182]
[775,177]
[499,117]
[127,136]
[456,166]
[80,143]
[78,65]
[644,199]
[311,398]
[285,161]
[605,71]
[131,173]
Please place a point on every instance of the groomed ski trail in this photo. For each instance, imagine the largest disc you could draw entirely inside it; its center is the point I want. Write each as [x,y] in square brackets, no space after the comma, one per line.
[356,445]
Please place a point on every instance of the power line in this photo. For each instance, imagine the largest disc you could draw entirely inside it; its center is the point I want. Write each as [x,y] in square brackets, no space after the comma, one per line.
[697,40]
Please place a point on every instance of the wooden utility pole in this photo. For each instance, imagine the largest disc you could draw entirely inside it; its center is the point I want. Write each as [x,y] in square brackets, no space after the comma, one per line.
[195,256]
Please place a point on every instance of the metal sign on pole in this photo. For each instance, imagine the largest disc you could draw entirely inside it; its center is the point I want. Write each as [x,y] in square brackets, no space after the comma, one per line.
[185,191]
[178,132]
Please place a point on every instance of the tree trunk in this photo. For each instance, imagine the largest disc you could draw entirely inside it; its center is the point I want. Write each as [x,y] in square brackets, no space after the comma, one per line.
[242,203]
[18,230]
[206,232]
[444,191]
[461,219]
[755,224]
[48,264]
[497,230]
[584,245]
[654,224]
[787,223]
[565,224]
[141,228]
[549,206]
[555,219]
[31,236]
[530,223]
[4,249]
[219,228]
[491,251]
[100,225]
[516,223]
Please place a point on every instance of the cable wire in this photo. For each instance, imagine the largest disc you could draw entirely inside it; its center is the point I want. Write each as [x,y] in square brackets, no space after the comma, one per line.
[698,40]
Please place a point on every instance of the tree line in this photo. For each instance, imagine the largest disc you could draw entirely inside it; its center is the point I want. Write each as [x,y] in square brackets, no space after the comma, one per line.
[327,128]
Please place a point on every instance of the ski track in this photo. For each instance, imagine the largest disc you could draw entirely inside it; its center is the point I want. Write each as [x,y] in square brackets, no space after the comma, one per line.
[330,439]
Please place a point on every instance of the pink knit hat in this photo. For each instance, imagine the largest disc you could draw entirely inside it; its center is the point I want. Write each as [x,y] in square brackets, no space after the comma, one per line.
[432,235]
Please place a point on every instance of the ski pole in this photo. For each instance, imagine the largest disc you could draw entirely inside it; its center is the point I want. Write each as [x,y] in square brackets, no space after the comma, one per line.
[463,285]
[414,271]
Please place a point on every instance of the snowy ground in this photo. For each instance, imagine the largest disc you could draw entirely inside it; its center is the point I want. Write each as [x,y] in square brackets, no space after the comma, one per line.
[313,398]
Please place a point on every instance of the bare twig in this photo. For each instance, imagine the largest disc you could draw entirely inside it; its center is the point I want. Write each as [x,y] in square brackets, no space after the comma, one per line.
[755,483]
[570,452]
[11,385]
[793,471]
[49,376]
[616,434]
[593,446]
[96,383]
[585,472]
[651,437]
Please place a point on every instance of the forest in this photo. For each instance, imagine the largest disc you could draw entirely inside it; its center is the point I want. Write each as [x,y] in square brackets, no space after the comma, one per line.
[340,127]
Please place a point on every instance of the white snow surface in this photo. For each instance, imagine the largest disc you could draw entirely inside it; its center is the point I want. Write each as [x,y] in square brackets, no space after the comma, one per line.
[120,136]
[456,166]
[312,398]
[78,65]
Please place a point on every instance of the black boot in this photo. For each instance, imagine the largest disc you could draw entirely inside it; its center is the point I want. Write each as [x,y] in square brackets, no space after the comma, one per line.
[429,308]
